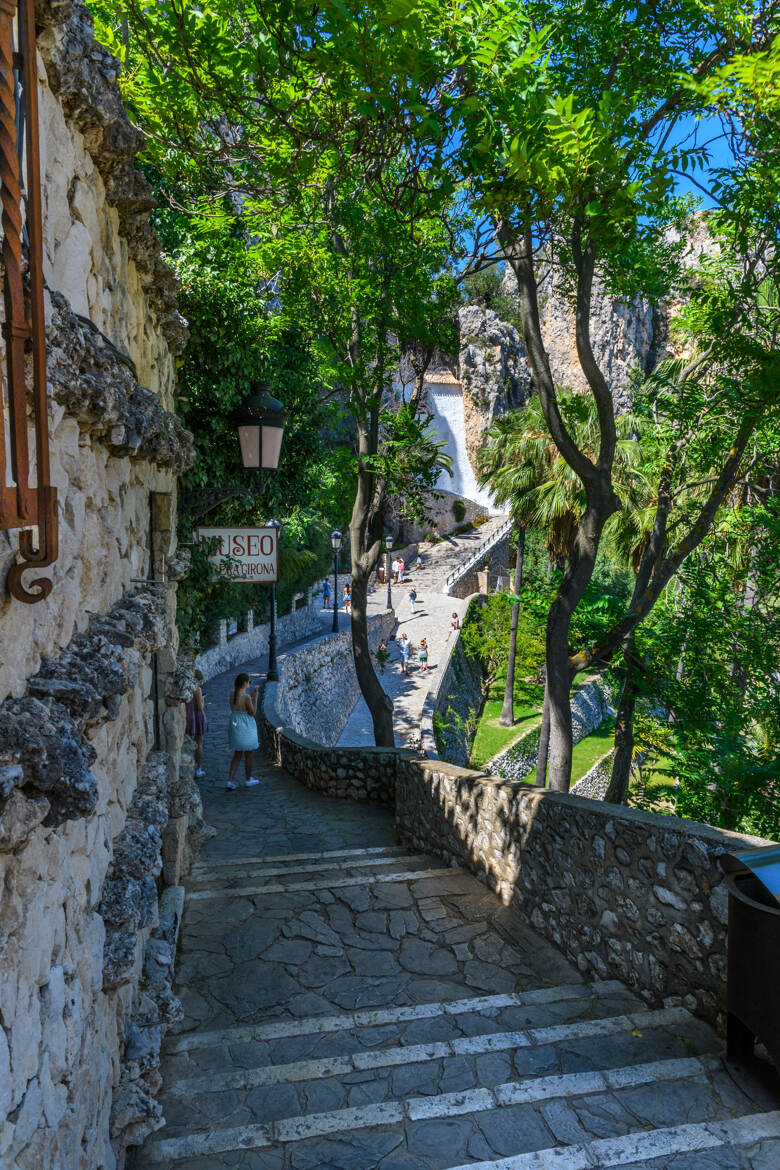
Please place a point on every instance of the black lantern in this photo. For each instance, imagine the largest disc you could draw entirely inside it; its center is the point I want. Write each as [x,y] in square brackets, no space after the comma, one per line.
[335,540]
[260,423]
[388,546]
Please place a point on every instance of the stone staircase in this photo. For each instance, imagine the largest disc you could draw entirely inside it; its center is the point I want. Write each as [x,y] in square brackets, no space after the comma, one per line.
[367,1008]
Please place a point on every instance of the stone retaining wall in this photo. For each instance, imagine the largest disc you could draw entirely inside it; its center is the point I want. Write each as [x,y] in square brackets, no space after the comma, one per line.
[318,686]
[454,698]
[623,893]
[499,567]
[589,708]
[290,627]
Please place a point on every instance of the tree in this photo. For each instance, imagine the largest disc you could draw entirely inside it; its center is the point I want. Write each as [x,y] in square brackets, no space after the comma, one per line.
[303,118]
[525,471]
[570,118]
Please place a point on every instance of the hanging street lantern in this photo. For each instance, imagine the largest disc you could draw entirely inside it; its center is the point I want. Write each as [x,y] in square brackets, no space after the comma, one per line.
[260,420]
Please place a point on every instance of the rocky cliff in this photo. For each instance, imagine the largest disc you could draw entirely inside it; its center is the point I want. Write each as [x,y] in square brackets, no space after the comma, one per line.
[626,337]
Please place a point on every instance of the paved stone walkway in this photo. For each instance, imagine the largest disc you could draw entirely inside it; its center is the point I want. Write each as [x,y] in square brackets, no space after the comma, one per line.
[351,1006]
[431,621]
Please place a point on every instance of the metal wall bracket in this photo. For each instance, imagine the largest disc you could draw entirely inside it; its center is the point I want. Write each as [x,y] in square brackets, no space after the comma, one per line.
[23,505]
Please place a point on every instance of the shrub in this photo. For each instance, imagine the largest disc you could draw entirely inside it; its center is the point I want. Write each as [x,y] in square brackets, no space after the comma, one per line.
[459,511]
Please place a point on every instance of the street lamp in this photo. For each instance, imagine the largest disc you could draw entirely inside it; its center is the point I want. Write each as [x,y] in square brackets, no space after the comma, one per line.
[388,546]
[335,540]
[273,673]
[260,420]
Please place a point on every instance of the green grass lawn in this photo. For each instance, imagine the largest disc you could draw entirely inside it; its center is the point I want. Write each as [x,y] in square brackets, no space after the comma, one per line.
[491,738]
[591,748]
[657,787]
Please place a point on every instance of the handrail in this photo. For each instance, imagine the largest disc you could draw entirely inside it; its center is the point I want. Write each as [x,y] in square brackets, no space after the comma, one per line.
[488,543]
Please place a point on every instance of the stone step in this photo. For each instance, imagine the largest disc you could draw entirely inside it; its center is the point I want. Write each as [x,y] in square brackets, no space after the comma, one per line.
[659,1148]
[264,888]
[215,864]
[640,1025]
[382,1017]
[234,877]
[216,1140]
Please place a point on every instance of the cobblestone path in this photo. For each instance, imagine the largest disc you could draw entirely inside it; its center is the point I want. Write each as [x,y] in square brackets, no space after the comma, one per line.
[351,1006]
[431,621]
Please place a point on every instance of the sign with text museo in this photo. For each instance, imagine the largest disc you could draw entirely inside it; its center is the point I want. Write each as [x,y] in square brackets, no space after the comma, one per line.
[248,555]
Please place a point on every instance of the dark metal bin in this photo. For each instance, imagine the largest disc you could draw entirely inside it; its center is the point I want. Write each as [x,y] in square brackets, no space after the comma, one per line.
[753,992]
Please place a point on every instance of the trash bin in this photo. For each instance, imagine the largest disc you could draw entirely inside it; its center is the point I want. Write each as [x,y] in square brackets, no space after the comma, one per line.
[753,991]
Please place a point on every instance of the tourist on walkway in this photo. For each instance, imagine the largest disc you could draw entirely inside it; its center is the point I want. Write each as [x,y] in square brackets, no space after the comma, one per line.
[382,655]
[405,646]
[394,568]
[418,566]
[422,653]
[412,599]
[401,569]
[242,730]
[454,626]
[197,723]
[326,594]
[347,595]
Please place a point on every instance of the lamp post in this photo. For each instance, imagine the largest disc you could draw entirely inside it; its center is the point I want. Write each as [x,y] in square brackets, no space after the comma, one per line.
[388,546]
[335,540]
[273,673]
[260,421]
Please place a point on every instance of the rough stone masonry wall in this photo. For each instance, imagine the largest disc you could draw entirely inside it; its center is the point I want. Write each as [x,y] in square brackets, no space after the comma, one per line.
[623,893]
[92,798]
[318,686]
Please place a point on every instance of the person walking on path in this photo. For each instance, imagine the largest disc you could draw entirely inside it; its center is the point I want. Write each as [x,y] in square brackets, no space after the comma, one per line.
[454,626]
[422,654]
[401,569]
[347,599]
[326,594]
[394,569]
[197,723]
[412,599]
[242,730]
[405,646]
[418,566]
[382,655]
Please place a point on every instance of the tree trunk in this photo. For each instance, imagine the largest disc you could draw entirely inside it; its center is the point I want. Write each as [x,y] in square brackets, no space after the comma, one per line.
[544,742]
[507,716]
[559,667]
[379,704]
[617,792]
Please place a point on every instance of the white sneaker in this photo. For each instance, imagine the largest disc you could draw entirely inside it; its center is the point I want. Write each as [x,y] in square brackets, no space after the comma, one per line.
[231,784]
[251,782]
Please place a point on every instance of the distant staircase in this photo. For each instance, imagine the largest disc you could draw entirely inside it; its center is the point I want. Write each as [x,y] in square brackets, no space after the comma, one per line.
[474,557]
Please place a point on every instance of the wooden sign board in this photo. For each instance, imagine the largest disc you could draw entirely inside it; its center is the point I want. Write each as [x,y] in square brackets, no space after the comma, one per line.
[246,555]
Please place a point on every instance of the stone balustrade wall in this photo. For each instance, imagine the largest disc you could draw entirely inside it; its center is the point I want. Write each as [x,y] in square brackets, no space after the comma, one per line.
[623,893]
[243,647]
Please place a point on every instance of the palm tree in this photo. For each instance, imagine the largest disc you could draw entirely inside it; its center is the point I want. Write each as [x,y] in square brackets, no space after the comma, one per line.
[524,470]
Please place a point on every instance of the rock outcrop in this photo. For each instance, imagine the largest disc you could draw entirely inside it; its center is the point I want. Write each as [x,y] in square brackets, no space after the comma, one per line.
[494,374]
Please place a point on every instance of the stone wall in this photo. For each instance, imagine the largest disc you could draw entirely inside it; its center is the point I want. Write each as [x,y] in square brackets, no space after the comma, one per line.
[589,708]
[453,701]
[250,644]
[318,686]
[624,894]
[442,520]
[92,794]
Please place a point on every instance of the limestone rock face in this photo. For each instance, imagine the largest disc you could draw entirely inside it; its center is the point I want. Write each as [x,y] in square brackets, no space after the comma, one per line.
[493,372]
[622,337]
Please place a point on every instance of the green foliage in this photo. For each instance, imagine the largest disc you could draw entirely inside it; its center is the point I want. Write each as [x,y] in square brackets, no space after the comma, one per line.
[459,511]
[485,636]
